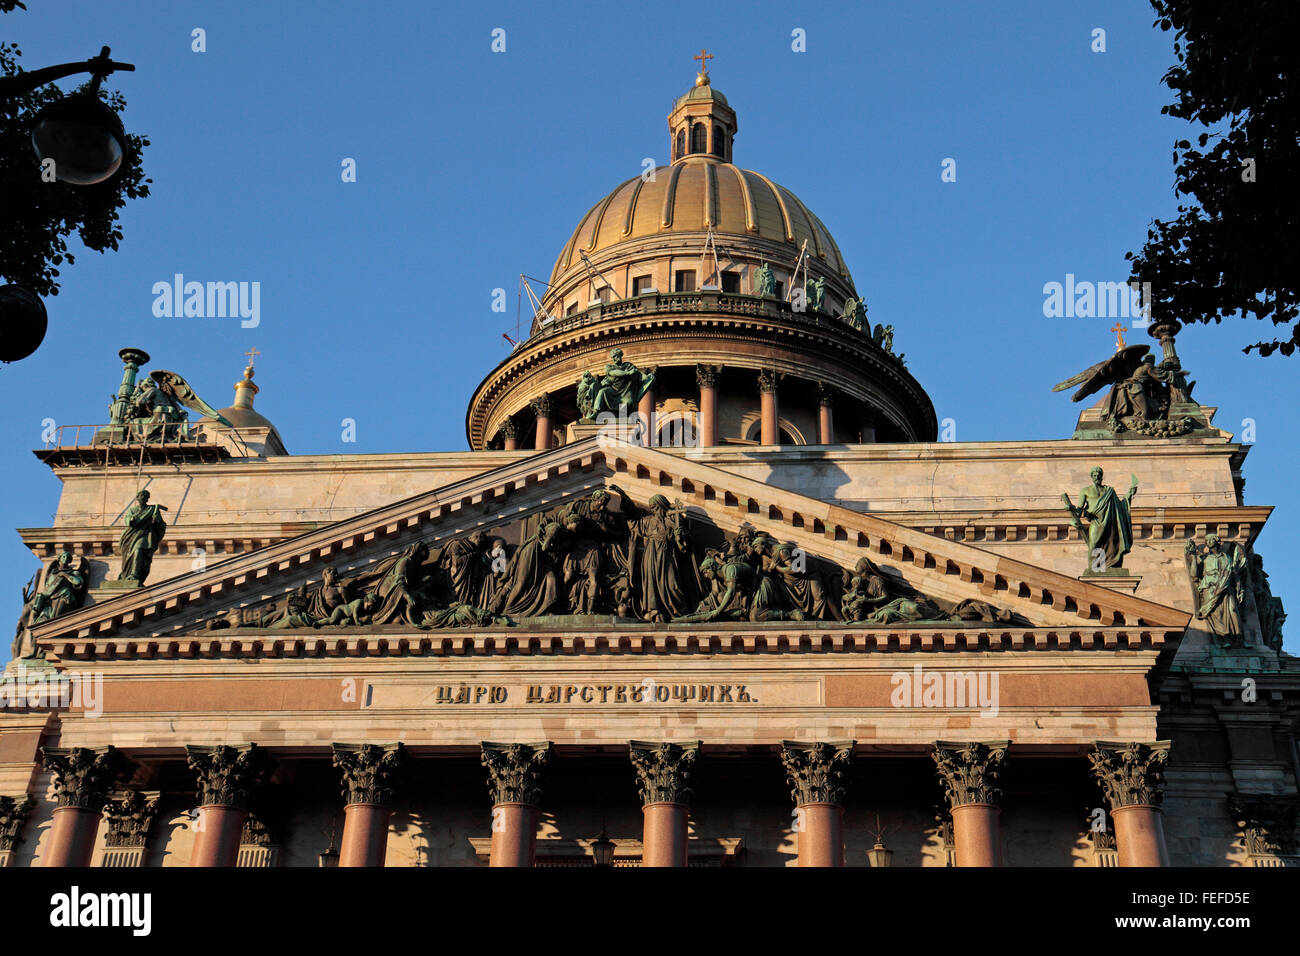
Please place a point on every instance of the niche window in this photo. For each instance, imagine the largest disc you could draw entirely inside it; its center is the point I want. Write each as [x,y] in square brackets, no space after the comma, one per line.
[684,280]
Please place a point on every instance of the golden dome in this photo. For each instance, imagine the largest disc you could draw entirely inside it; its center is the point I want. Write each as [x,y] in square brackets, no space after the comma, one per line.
[688,197]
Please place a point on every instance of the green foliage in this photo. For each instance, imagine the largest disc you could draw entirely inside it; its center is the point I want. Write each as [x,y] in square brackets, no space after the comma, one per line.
[1230,252]
[39,216]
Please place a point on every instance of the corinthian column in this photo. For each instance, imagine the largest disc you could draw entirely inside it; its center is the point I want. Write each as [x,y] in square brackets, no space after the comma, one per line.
[82,779]
[371,774]
[663,771]
[970,774]
[706,376]
[13,814]
[542,409]
[769,413]
[227,778]
[815,772]
[510,434]
[825,414]
[129,818]
[1132,777]
[514,781]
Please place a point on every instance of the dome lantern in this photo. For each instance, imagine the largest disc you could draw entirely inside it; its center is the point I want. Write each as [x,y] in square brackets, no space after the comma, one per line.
[701,123]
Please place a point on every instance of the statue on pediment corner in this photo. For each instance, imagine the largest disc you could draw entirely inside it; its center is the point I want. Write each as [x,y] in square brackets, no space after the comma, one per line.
[1219,574]
[1109,523]
[1271,614]
[143,532]
[62,590]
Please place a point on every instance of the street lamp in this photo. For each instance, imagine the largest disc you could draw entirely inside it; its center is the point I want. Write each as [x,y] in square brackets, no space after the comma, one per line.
[80,133]
[880,855]
[602,849]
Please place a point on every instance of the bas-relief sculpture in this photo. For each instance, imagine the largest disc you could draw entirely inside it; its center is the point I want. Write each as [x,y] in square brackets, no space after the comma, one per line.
[618,390]
[1142,394]
[1109,528]
[586,559]
[63,590]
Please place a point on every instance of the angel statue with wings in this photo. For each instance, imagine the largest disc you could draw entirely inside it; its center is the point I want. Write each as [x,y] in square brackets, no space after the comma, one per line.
[1141,392]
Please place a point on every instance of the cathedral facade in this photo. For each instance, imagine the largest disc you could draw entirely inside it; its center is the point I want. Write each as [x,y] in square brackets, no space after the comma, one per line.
[706,589]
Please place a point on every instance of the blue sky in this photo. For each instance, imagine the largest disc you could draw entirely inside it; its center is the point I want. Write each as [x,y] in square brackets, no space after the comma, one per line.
[474,166]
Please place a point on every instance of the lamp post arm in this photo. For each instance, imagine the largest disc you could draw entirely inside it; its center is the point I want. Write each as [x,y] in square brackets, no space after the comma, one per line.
[26,81]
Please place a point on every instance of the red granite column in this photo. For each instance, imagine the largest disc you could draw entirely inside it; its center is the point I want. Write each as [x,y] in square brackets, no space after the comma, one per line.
[514,781]
[82,780]
[706,376]
[1132,777]
[371,773]
[227,778]
[510,432]
[645,411]
[663,771]
[969,773]
[825,414]
[542,409]
[769,414]
[815,772]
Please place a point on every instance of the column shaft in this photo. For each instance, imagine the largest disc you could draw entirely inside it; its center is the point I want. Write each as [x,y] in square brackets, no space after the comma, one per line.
[768,433]
[663,839]
[365,834]
[1140,836]
[821,834]
[825,425]
[708,432]
[975,834]
[514,835]
[217,840]
[646,412]
[72,837]
[542,440]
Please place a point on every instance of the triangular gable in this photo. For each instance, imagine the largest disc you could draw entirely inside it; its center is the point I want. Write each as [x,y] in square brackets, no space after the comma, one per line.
[933,565]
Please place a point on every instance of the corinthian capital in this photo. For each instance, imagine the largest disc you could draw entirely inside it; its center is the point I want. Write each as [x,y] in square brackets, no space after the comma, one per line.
[129,818]
[815,771]
[515,771]
[706,376]
[1268,821]
[970,772]
[83,777]
[541,405]
[371,772]
[229,775]
[663,770]
[1131,774]
[13,814]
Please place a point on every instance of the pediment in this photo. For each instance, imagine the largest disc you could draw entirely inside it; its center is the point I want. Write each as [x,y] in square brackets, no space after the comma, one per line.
[716,503]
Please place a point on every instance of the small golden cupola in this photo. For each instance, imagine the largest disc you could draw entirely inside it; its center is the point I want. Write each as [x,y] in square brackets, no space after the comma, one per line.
[257,433]
[701,123]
